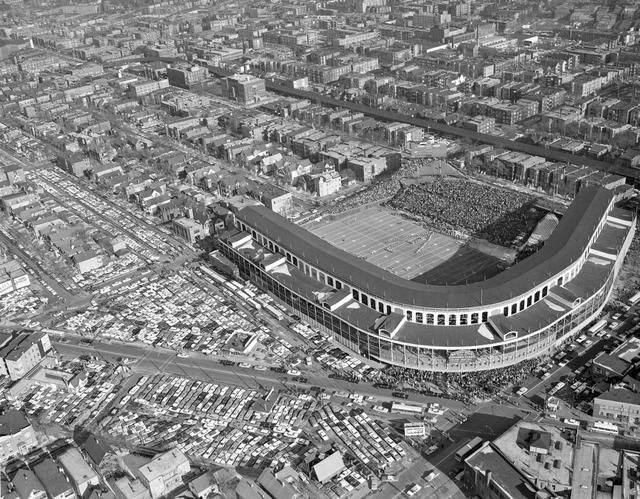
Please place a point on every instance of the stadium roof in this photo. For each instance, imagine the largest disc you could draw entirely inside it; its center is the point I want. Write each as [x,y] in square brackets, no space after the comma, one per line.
[563,247]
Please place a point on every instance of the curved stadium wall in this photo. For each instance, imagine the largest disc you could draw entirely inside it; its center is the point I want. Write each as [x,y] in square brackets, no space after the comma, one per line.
[519,314]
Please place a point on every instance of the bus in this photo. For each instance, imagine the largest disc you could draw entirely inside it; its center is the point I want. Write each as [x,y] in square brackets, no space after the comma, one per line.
[634,299]
[254,304]
[214,275]
[464,451]
[603,427]
[408,409]
[598,326]
[274,312]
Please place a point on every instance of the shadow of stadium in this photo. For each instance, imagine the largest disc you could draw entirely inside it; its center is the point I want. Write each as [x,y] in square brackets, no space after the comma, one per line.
[466,265]
[484,425]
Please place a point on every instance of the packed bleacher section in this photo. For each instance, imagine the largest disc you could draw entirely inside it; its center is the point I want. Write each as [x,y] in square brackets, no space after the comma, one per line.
[381,189]
[451,206]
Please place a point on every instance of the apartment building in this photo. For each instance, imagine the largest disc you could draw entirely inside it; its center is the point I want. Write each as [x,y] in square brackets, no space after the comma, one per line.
[20,352]
[164,472]
[619,405]
[16,435]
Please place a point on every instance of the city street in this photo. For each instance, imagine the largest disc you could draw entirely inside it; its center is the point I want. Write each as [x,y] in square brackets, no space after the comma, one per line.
[150,360]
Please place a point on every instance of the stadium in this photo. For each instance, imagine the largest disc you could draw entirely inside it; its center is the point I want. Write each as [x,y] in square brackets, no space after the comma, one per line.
[520,313]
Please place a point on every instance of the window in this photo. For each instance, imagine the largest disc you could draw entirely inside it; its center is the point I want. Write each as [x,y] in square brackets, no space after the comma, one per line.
[381,307]
[485,316]
[452,320]
[409,315]
[474,318]
[388,309]
[372,303]
[330,280]
[505,311]
[288,257]
[529,299]
[521,305]
[536,297]
[514,308]
[364,299]
[355,294]
[295,261]
[560,279]
[338,285]
[545,291]
[419,317]
[441,320]
[429,318]
[463,320]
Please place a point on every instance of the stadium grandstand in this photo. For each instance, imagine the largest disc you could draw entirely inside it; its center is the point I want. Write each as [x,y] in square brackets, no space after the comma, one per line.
[521,313]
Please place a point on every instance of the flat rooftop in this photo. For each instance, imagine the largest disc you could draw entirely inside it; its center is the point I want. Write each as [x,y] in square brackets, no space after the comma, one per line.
[553,467]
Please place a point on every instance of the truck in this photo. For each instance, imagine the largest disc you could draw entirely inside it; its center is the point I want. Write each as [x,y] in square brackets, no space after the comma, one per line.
[464,451]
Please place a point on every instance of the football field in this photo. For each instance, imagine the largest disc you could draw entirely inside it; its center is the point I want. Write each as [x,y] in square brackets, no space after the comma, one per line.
[406,248]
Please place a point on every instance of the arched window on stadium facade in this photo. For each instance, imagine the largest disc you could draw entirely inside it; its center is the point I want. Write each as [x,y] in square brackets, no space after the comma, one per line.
[447,319]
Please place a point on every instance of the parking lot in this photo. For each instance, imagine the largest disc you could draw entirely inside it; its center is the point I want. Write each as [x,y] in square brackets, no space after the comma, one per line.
[171,311]
[250,428]
[69,401]
[141,237]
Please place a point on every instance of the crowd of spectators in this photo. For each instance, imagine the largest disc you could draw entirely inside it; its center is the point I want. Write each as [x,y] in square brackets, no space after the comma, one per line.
[460,207]
[381,189]
[466,387]
[628,282]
